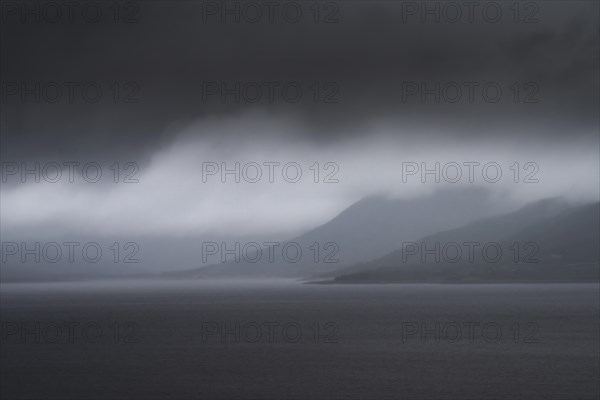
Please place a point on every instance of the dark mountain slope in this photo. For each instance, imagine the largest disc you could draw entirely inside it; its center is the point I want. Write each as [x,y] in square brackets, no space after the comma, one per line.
[535,246]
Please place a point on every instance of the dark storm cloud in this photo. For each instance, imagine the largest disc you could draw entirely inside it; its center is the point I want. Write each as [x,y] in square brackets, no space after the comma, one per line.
[365,60]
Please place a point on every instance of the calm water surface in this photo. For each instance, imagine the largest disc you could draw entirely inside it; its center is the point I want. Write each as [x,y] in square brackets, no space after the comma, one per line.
[284,339]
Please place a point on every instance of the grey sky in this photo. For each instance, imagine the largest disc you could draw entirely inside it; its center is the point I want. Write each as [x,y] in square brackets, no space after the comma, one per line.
[369,62]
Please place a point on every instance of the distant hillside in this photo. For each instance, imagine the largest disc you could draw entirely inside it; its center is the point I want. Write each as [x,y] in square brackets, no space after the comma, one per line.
[366,230]
[492,229]
[542,242]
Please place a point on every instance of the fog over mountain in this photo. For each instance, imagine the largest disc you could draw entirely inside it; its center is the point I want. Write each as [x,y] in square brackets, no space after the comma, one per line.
[367,229]
[362,232]
[172,197]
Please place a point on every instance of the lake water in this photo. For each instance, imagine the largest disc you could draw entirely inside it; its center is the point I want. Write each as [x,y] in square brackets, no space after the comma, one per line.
[283,339]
